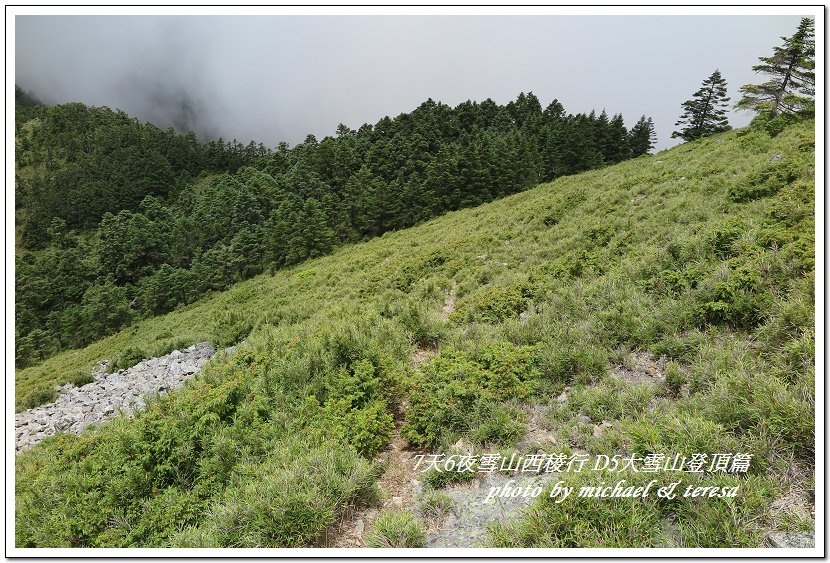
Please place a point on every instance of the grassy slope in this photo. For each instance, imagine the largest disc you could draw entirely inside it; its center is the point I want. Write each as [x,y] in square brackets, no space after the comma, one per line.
[650,254]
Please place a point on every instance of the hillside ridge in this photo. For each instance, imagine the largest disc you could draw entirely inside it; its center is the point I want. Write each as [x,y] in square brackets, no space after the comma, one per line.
[697,262]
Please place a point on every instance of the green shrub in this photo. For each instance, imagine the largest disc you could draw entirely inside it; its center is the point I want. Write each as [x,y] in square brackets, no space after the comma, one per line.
[674,378]
[396,529]
[722,240]
[495,304]
[797,356]
[612,399]
[36,397]
[682,347]
[576,263]
[677,432]
[746,402]
[229,327]
[765,182]
[355,409]
[791,318]
[737,298]
[581,522]
[289,498]
[435,504]
[367,428]
[565,363]
[773,126]
[80,378]
[774,237]
[674,282]
[460,392]
[415,271]
[793,204]
[457,410]
[552,218]
[726,523]
[127,359]
[436,479]
[423,324]
[509,371]
[493,423]
[164,348]
[600,235]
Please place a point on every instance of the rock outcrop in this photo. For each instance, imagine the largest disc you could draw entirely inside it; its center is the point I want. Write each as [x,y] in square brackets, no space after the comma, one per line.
[109,395]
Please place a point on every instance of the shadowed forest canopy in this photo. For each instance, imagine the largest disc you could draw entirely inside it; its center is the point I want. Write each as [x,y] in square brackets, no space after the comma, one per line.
[119,220]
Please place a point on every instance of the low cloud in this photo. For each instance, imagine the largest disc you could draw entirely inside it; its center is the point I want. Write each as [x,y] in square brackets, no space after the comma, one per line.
[275,78]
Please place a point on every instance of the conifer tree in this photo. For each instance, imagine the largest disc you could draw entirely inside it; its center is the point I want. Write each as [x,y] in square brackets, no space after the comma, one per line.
[792,80]
[705,114]
[641,138]
[618,148]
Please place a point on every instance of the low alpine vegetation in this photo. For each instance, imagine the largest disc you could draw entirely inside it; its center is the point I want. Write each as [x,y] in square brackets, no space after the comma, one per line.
[555,288]
[396,528]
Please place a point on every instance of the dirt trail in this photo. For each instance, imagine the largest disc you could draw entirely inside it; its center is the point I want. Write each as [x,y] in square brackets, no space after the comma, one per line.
[397,491]
[449,304]
[399,482]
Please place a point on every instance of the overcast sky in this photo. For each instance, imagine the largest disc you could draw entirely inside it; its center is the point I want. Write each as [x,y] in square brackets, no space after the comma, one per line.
[275,78]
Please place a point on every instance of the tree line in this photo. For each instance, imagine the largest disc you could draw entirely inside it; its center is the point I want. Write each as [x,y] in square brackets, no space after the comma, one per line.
[75,163]
[121,220]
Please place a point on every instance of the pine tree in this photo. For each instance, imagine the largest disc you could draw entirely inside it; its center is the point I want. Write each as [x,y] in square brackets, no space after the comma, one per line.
[601,134]
[618,148]
[791,68]
[641,138]
[705,114]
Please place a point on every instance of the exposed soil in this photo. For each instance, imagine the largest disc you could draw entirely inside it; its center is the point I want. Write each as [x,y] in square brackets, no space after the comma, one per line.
[420,356]
[398,485]
[449,304]
[796,504]
[538,434]
[641,368]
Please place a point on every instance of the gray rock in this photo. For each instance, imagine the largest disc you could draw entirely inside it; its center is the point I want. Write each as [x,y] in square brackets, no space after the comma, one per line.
[793,540]
[76,408]
[583,418]
[775,158]
[467,525]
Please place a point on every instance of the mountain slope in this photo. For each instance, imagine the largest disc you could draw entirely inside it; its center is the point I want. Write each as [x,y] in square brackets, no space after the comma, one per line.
[703,254]
[119,221]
